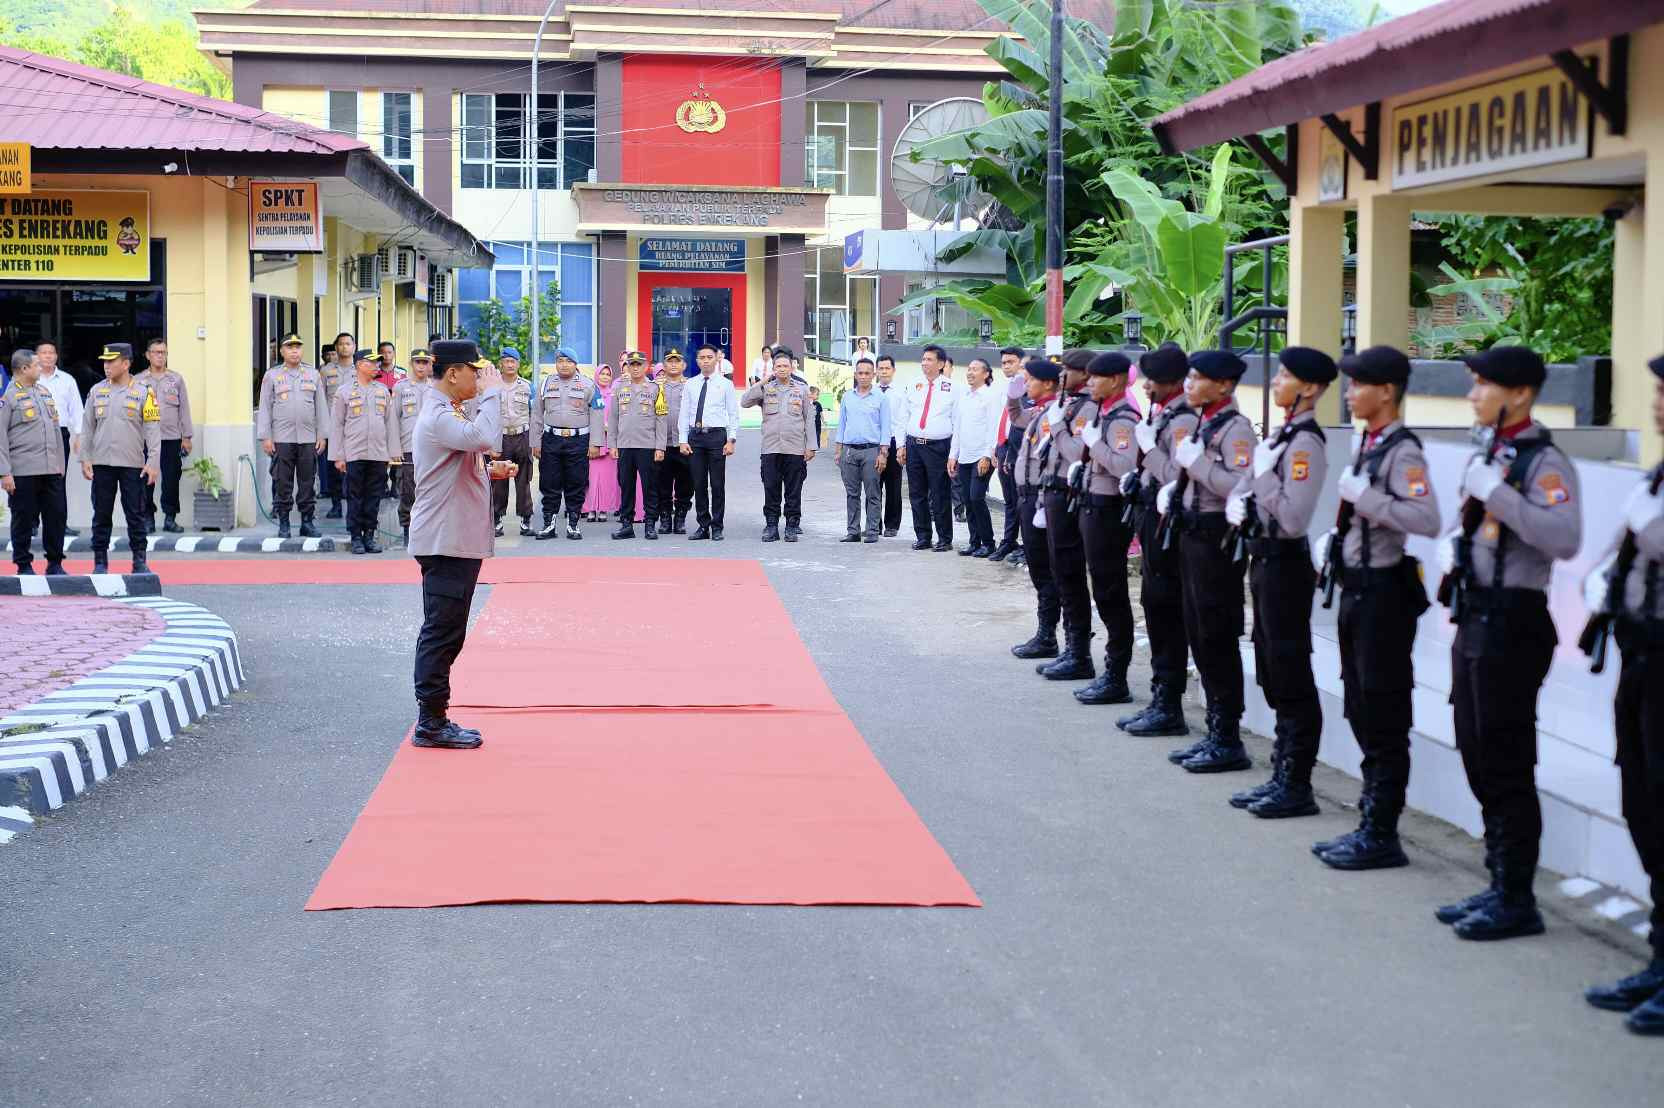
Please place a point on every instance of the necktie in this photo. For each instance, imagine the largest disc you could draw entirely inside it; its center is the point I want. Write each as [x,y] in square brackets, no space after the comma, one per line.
[699,412]
[1005,422]
[929,391]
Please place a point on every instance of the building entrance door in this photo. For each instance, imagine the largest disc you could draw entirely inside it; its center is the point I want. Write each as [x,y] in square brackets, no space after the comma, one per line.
[685,318]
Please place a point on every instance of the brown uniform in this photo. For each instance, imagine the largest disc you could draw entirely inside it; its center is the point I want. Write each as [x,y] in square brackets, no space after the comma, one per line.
[31,454]
[516,399]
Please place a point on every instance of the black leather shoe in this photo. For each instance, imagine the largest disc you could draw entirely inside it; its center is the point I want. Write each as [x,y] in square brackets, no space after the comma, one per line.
[1107,689]
[649,531]
[572,530]
[26,571]
[100,564]
[1001,552]
[1018,558]
[171,526]
[1249,796]
[526,527]
[1625,995]
[1042,645]
[1182,755]
[441,732]
[1648,1019]
[851,538]
[283,528]
[56,569]
[1323,846]
[702,533]
[968,551]
[681,528]
[792,532]
[371,546]
[1286,801]
[1367,849]
[716,533]
[922,544]
[1450,913]
[890,532]
[1504,918]
[625,532]
[942,547]
[1219,757]
[334,510]
[308,529]
[771,533]
[357,545]
[1162,718]
[870,538]
[982,552]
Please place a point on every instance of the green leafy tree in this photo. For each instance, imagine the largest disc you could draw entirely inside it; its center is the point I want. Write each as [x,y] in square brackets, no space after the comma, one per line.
[152,41]
[500,326]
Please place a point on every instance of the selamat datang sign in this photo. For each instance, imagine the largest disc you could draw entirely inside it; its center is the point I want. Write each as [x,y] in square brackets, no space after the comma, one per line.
[1534,119]
[284,218]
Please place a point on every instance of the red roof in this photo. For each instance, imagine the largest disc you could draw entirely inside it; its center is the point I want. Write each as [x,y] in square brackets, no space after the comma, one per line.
[57,105]
[1445,42]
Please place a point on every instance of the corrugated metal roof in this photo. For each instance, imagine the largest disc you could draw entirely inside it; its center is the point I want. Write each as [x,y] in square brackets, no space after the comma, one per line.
[57,105]
[1444,42]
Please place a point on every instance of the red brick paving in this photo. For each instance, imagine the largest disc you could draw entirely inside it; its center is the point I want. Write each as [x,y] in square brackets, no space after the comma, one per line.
[54,641]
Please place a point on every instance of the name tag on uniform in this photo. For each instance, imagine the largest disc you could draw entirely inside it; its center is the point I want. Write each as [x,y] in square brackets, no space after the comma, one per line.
[410,405]
[381,406]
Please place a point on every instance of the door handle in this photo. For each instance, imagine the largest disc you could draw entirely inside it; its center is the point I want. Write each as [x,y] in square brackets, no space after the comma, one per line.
[725,336]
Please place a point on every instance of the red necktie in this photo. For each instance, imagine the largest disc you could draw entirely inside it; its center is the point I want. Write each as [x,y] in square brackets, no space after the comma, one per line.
[929,389]
[1005,421]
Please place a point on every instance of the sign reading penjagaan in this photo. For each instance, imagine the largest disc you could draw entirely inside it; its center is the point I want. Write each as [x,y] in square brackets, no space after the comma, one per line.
[1534,119]
[75,236]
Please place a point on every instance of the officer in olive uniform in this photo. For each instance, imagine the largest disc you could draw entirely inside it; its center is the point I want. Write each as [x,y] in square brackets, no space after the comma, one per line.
[293,426]
[1111,454]
[1522,513]
[675,475]
[1386,496]
[1210,464]
[636,429]
[1034,460]
[408,397]
[517,442]
[121,427]
[363,441]
[175,401]
[32,468]
[1271,511]
[1169,421]
[788,443]
[566,426]
[1072,409]
[1628,592]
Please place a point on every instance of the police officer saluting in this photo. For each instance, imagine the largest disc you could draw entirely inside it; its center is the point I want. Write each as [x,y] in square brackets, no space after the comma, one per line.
[636,426]
[450,526]
[363,441]
[788,443]
[1521,513]
[565,426]
[408,398]
[1271,510]
[293,427]
[675,476]
[32,468]
[121,427]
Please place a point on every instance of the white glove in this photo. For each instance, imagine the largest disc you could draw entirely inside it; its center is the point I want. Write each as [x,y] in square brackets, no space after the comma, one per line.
[1145,433]
[1040,516]
[1320,549]
[1164,498]
[1352,485]
[1091,435]
[1188,451]
[1642,508]
[1447,553]
[1595,585]
[1055,414]
[1074,471]
[1481,480]
[1129,483]
[1236,509]
[1265,457]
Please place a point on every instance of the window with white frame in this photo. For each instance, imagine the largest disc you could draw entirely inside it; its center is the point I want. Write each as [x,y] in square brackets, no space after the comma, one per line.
[841,146]
[398,135]
[838,308]
[501,147]
[343,112]
[570,263]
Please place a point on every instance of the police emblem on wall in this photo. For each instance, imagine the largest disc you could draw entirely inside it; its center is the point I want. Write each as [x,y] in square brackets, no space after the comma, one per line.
[701,114]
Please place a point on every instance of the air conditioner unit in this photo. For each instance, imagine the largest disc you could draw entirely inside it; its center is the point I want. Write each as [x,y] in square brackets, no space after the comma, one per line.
[441,290]
[404,263]
[365,275]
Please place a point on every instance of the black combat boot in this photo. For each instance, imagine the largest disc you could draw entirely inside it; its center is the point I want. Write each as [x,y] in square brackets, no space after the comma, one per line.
[100,562]
[1164,716]
[1111,685]
[371,546]
[434,729]
[681,527]
[1075,663]
[1374,845]
[1450,913]
[625,531]
[308,529]
[1225,754]
[792,530]
[283,526]
[1636,989]
[1184,753]
[1279,763]
[526,527]
[572,530]
[771,533]
[334,510]
[171,526]
[141,564]
[1290,795]
[1648,1019]
[1512,914]
[1042,645]
[651,529]
[358,543]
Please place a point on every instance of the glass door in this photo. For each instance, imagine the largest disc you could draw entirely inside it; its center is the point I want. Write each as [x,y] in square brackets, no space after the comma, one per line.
[685,318]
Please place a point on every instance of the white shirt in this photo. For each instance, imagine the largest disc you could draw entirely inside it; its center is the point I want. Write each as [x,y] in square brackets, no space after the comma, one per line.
[66,394]
[722,408]
[975,422]
[915,420]
[760,368]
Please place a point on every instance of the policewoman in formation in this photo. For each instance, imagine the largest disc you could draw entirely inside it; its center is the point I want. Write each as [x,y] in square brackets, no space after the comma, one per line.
[788,444]
[637,430]
[364,440]
[1106,533]
[120,429]
[566,429]
[1033,461]
[32,468]
[292,424]
[1071,410]
[517,446]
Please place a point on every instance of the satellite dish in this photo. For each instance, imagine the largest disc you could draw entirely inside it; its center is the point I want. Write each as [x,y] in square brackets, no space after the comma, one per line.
[932,189]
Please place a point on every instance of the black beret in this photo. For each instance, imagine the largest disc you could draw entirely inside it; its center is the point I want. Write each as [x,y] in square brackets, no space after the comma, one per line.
[1312,366]
[1218,365]
[1042,369]
[449,352]
[1379,365]
[1165,365]
[1112,363]
[1509,366]
[1657,367]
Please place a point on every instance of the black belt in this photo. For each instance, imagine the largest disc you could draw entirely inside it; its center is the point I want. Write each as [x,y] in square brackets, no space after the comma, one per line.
[1279,548]
[1100,500]
[1503,600]
[859,445]
[1055,484]
[1194,519]
[1359,579]
[920,440]
[565,432]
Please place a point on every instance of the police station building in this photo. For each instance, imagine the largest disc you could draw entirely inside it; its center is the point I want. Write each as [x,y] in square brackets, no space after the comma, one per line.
[699,166]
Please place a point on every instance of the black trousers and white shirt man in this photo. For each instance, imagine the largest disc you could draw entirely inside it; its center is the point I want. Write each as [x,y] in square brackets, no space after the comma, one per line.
[708,428]
[926,419]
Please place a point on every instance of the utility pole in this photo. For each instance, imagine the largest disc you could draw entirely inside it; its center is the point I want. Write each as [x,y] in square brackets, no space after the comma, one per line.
[1054,191]
[535,125]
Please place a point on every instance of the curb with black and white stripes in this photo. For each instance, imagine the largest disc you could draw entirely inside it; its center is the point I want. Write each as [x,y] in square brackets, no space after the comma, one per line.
[59,747]
[82,584]
[207,544]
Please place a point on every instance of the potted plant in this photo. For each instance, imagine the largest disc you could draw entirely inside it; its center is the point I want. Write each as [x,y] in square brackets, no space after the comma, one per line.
[213,510]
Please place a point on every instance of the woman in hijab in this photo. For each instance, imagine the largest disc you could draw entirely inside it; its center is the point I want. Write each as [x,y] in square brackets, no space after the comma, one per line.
[603,498]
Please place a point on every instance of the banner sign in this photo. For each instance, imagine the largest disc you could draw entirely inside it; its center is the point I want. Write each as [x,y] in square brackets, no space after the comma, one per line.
[75,236]
[284,217]
[14,167]
[1534,119]
[693,255]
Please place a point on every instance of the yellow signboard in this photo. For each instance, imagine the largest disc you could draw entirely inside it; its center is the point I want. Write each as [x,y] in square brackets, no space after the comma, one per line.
[284,217]
[1534,119]
[75,236]
[14,167]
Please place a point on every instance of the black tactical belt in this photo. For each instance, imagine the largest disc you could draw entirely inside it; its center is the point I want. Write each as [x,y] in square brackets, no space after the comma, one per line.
[1358,579]
[1202,519]
[1054,484]
[1480,600]
[1279,548]
[1100,500]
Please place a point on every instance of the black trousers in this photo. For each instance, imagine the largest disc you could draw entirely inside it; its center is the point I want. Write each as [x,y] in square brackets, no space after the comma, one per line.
[783,476]
[1005,457]
[1161,595]
[675,486]
[1498,664]
[447,595]
[889,489]
[366,481]
[563,470]
[1067,554]
[107,481]
[1639,719]
[1039,560]
[928,488]
[331,482]
[709,466]
[1213,613]
[973,493]
[633,462]
[517,449]
[172,464]
[1282,582]
[38,499]
[1377,630]
[406,477]
[1105,539]
[292,478]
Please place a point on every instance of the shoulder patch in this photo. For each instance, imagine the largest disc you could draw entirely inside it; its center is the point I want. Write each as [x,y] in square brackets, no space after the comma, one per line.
[1300,465]
[1079,424]
[1180,433]
[1554,489]
[1123,436]
[1416,478]
[1242,449]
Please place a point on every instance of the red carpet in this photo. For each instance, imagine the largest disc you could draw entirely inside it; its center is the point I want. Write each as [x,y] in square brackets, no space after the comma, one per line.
[646,742]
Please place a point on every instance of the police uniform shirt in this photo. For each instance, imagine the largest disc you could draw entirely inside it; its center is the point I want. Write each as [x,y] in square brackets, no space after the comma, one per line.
[365,426]
[29,442]
[1115,453]
[1039,450]
[1175,422]
[451,515]
[1228,454]
[408,396]
[517,406]
[673,383]
[174,400]
[1545,516]
[1067,445]
[788,416]
[1026,469]
[330,375]
[1400,501]
[121,424]
[293,407]
[927,410]
[1285,496]
[566,404]
[638,416]
[1649,561]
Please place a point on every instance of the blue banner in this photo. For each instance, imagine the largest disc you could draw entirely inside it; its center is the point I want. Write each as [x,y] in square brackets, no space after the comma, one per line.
[664,255]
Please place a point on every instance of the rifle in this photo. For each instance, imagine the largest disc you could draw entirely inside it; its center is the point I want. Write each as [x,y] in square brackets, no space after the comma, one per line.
[1205,433]
[1236,537]
[1454,586]
[1597,633]
[1327,579]
[1134,490]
